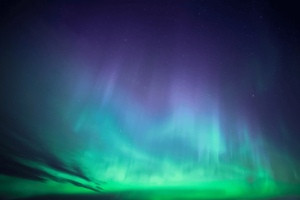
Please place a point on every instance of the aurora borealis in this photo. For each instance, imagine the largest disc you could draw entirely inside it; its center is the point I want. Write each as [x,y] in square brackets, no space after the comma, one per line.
[149,99]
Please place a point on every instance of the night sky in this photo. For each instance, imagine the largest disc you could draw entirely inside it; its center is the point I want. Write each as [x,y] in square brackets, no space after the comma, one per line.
[150,99]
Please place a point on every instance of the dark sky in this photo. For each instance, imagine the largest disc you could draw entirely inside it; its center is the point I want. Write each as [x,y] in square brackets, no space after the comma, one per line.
[86,77]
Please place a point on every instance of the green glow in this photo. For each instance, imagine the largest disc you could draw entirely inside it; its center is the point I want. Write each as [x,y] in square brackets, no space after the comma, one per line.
[133,170]
[209,190]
